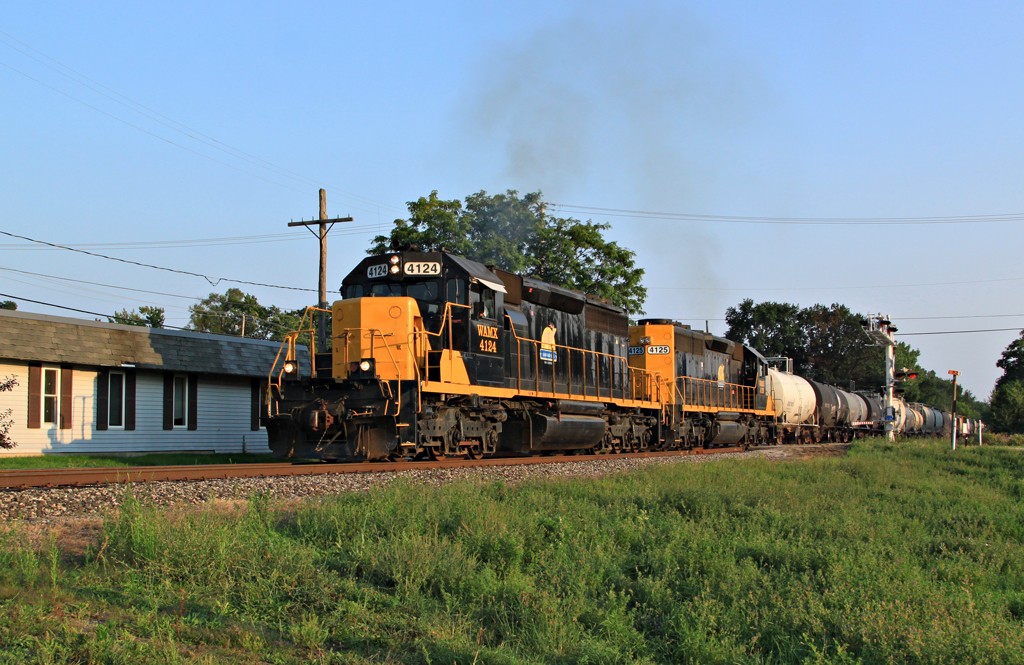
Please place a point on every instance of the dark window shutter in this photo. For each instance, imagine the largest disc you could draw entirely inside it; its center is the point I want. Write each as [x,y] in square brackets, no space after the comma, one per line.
[254,414]
[129,400]
[65,397]
[168,401]
[35,395]
[193,402]
[102,399]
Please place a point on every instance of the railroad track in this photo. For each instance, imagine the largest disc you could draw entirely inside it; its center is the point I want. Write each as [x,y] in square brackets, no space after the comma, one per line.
[78,477]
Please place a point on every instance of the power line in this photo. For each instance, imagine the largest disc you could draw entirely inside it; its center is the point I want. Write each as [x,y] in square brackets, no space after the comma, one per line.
[213,281]
[813,221]
[957,332]
[222,315]
[194,242]
[109,286]
[831,288]
[964,316]
[48,304]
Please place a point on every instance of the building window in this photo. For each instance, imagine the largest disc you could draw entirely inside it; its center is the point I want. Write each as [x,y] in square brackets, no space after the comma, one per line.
[51,395]
[180,401]
[115,412]
[115,399]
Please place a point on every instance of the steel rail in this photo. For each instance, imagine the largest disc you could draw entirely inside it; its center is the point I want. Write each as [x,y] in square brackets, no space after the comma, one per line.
[78,477]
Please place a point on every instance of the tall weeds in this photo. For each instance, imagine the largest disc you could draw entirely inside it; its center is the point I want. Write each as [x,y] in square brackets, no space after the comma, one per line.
[894,553]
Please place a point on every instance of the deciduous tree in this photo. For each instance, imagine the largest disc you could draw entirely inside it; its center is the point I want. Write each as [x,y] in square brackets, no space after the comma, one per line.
[515,233]
[236,312]
[1007,407]
[146,315]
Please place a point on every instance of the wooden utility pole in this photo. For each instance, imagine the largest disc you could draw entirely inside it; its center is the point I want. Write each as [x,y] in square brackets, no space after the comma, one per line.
[322,223]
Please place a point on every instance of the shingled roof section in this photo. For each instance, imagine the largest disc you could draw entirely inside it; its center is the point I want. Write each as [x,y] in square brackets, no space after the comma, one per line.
[54,339]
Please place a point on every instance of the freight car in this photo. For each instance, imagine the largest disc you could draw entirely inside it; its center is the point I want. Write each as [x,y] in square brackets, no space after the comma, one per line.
[433,355]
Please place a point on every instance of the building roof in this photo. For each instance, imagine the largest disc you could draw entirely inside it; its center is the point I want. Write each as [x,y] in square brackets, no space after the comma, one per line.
[54,339]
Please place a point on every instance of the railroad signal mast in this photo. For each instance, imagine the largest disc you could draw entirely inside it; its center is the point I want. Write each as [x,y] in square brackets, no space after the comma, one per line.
[882,332]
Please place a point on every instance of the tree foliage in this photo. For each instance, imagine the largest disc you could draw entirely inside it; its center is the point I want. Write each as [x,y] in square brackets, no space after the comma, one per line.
[8,304]
[1007,407]
[1007,401]
[828,344]
[146,315]
[240,314]
[772,328]
[6,385]
[1012,361]
[516,234]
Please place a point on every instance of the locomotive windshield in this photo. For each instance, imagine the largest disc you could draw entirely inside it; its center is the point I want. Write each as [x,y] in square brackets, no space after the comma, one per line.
[422,291]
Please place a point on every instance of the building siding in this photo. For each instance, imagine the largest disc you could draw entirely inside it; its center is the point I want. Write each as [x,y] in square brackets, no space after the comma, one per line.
[224,418]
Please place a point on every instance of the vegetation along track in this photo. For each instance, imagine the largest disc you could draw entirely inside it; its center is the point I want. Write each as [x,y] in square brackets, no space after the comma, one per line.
[54,504]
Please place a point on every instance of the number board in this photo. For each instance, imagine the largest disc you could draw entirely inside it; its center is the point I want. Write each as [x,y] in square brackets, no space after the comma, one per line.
[655,350]
[423,268]
[487,338]
[377,271]
[636,350]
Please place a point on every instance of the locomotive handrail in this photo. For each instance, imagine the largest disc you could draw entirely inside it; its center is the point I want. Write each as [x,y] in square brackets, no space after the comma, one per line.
[617,365]
[374,333]
[288,347]
[713,393]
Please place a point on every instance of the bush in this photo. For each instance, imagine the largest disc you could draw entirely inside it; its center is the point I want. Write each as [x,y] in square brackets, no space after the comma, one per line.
[5,416]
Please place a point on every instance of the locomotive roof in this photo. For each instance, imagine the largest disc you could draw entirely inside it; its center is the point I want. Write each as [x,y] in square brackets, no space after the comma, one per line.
[515,286]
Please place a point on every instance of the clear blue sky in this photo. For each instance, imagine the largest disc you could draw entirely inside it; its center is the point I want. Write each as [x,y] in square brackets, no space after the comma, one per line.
[129,125]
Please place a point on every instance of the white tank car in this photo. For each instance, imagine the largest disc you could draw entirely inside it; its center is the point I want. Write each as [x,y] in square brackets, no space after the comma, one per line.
[794,397]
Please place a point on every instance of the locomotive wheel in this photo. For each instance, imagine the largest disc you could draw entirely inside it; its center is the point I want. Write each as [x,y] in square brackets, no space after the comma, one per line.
[473,451]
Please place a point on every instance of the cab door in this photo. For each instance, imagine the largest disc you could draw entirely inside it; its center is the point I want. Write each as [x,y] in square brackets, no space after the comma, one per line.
[485,359]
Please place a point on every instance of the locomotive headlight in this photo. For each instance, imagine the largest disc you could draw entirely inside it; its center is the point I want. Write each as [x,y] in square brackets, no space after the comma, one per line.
[395,269]
[394,260]
[289,367]
[365,365]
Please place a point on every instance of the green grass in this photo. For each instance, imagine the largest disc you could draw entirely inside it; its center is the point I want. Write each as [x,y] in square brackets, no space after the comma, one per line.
[152,459]
[902,553]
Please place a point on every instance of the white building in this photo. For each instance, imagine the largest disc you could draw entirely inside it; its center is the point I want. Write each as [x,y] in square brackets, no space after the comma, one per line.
[87,387]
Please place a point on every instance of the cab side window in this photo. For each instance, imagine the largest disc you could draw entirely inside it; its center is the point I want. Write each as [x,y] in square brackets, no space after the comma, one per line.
[487,300]
[455,290]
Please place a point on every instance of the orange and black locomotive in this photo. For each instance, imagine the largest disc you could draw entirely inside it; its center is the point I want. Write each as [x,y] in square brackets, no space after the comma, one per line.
[433,354]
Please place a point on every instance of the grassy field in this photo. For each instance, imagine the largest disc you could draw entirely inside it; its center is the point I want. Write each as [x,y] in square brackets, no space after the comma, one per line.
[903,553]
